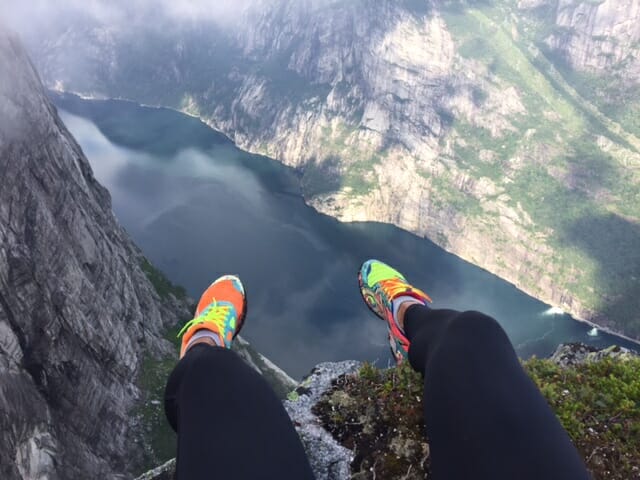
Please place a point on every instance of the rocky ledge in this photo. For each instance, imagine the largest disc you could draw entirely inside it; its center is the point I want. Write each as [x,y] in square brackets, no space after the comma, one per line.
[594,392]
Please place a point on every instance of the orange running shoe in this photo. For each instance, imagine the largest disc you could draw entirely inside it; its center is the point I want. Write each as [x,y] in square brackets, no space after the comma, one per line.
[221,309]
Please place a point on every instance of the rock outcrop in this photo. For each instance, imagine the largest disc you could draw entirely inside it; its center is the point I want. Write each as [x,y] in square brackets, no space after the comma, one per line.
[166,471]
[329,460]
[77,311]
[572,354]
[601,36]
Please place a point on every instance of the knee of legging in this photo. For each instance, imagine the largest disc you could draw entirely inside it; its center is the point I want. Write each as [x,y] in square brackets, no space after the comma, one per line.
[476,326]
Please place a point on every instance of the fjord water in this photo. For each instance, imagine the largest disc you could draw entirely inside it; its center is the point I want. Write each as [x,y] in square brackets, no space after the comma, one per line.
[199,207]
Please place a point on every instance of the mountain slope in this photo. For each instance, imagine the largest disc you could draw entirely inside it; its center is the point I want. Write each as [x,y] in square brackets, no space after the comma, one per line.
[77,310]
[476,125]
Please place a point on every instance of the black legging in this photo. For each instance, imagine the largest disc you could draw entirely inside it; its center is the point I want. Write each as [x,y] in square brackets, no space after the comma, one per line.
[485,417]
[230,423]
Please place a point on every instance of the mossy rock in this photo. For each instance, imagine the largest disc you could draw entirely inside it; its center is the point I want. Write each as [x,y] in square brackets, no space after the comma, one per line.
[378,415]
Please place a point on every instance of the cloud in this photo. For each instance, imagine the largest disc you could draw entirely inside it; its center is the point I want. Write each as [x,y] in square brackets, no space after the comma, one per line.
[214,10]
[30,17]
[43,15]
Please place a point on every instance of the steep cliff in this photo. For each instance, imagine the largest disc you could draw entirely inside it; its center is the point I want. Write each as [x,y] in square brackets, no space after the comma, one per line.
[77,310]
[460,122]
[601,36]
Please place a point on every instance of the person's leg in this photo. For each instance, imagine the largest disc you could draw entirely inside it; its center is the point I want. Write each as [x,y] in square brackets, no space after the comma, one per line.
[229,422]
[484,416]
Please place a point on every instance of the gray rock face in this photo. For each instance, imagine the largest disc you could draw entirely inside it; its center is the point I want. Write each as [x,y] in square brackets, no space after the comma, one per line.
[277,378]
[570,354]
[163,472]
[76,310]
[382,67]
[329,460]
[599,36]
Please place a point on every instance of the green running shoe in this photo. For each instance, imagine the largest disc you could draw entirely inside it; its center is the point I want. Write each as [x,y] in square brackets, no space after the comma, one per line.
[380,285]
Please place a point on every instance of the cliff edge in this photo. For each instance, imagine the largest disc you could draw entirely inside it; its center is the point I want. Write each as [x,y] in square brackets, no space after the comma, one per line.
[357,421]
[77,308]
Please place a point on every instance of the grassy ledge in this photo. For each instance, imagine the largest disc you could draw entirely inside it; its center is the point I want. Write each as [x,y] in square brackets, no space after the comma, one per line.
[378,415]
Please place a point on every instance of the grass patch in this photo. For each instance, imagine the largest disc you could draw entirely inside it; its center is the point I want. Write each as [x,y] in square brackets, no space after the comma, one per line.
[476,139]
[611,93]
[161,283]
[321,177]
[478,37]
[449,196]
[549,202]
[598,403]
[154,372]
[378,414]
[358,183]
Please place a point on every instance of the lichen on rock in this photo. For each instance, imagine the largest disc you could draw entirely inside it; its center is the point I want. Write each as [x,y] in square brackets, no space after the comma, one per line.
[329,460]
[378,415]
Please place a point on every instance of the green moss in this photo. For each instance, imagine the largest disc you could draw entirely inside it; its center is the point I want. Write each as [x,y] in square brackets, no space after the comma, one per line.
[541,195]
[598,403]
[154,371]
[452,197]
[475,139]
[162,285]
[378,414]
[161,438]
[321,177]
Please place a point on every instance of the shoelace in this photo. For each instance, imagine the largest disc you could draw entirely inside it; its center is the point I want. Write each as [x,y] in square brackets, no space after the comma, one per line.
[214,313]
[395,286]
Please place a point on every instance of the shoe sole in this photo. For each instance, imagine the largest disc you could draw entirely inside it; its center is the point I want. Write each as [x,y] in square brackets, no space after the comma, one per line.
[394,346]
[364,290]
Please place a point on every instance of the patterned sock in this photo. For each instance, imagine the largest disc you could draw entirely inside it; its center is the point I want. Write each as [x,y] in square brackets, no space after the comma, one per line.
[204,333]
[399,301]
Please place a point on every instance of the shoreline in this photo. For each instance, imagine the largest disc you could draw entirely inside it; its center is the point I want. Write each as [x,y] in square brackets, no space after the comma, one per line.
[89,97]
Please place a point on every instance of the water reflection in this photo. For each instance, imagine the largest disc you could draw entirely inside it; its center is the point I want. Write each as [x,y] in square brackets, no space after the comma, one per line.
[209,209]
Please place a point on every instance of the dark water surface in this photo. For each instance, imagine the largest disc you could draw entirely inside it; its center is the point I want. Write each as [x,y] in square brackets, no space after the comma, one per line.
[199,207]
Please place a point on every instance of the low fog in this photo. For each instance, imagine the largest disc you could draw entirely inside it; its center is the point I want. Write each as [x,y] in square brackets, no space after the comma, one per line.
[42,17]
